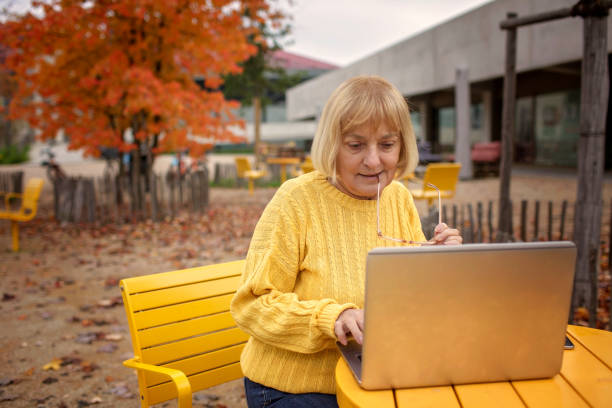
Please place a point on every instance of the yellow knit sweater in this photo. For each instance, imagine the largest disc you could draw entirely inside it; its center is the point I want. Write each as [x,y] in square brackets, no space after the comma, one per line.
[305,265]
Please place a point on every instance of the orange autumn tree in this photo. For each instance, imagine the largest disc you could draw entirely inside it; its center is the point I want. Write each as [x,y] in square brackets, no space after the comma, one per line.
[120,74]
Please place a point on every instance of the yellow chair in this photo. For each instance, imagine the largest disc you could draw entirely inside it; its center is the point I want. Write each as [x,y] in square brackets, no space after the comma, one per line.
[27,209]
[442,175]
[243,168]
[305,167]
[183,335]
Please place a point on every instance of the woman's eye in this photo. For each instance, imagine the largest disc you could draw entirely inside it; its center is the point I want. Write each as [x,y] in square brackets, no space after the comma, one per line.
[354,146]
[388,145]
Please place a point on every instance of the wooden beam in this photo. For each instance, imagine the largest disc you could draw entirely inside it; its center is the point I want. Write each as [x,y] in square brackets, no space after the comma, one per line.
[582,8]
[508,119]
[594,91]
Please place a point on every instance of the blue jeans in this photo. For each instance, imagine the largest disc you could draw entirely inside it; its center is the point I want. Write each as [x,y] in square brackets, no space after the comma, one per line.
[259,396]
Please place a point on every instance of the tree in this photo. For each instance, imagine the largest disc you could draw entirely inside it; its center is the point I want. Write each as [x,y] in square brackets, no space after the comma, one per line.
[120,73]
[260,80]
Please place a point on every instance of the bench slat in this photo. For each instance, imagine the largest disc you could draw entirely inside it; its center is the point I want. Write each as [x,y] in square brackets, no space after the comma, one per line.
[183,277]
[183,311]
[165,297]
[166,391]
[188,347]
[199,364]
[189,328]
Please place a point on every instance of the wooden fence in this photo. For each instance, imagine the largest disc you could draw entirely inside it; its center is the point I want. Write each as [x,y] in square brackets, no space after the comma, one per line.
[112,199]
[11,182]
[531,221]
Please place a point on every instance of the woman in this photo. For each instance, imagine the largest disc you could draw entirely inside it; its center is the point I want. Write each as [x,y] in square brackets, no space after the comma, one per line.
[303,285]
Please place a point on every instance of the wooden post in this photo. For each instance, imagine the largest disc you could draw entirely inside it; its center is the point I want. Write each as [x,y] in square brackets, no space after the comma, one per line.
[610,264]
[455,225]
[154,203]
[479,216]
[204,188]
[536,221]
[550,221]
[505,168]
[471,221]
[444,215]
[91,200]
[563,213]
[524,220]
[588,211]
[490,220]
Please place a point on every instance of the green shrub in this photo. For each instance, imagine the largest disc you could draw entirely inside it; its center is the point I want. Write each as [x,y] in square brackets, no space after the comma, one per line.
[13,154]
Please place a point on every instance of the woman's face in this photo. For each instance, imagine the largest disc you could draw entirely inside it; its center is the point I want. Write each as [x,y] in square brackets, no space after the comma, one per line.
[365,156]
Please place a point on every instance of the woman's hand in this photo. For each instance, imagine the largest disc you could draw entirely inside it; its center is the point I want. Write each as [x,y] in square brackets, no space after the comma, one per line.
[443,235]
[349,322]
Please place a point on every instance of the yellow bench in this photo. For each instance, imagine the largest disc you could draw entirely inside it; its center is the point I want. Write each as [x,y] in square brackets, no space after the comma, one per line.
[243,168]
[27,209]
[183,335]
[442,175]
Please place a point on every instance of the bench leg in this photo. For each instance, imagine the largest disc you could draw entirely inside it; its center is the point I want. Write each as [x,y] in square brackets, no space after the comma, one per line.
[251,187]
[15,234]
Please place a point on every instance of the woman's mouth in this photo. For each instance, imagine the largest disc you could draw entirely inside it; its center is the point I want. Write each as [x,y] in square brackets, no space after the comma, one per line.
[375,176]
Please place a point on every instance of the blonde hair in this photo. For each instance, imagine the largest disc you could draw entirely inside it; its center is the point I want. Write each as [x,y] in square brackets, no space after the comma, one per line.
[359,101]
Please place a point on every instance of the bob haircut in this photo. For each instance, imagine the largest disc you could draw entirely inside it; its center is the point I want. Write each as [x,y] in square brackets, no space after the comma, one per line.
[363,100]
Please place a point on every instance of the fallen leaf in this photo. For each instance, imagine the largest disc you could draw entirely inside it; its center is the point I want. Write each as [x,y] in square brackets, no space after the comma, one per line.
[5,381]
[49,380]
[7,296]
[29,371]
[53,365]
[88,366]
[10,397]
[113,337]
[108,348]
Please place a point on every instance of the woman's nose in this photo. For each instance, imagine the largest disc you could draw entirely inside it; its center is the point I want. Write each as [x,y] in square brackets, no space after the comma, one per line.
[372,158]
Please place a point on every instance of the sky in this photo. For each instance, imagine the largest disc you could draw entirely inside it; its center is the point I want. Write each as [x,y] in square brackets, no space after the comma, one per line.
[343,31]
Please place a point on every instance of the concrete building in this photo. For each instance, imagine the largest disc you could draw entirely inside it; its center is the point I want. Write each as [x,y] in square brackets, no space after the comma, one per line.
[423,67]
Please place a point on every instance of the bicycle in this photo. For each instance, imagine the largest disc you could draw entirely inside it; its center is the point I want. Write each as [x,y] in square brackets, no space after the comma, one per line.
[54,170]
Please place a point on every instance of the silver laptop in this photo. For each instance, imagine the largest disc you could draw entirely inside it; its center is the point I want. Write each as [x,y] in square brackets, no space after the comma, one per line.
[441,315]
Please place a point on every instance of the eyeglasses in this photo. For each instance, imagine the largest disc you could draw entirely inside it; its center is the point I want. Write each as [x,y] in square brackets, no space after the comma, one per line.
[403,241]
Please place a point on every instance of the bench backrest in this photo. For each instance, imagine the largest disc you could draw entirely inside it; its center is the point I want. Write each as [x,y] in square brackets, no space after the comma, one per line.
[442,175]
[486,152]
[30,197]
[181,320]
[242,166]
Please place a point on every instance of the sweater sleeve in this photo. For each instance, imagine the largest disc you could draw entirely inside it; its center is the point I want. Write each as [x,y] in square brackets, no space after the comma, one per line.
[265,305]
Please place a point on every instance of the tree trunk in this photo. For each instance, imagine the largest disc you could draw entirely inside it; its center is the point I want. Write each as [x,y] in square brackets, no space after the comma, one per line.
[587,217]
[505,168]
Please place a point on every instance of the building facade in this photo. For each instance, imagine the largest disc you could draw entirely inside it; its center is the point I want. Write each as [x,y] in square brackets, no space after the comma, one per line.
[423,68]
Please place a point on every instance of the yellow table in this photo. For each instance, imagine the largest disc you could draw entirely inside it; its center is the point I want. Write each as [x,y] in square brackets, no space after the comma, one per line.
[585,381]
[283,162]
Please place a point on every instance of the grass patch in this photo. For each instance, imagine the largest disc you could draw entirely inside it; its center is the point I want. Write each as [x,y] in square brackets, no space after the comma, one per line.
[13,155]
[234,183]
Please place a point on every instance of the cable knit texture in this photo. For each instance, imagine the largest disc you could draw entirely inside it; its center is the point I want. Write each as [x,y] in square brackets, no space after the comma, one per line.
[305,265]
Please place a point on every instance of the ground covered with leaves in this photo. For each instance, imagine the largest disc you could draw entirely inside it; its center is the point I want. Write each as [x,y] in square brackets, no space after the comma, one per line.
[64,331]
